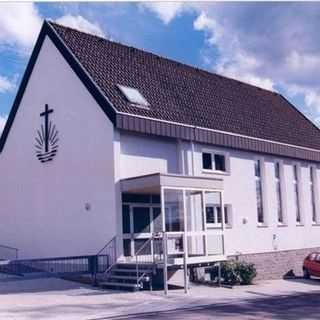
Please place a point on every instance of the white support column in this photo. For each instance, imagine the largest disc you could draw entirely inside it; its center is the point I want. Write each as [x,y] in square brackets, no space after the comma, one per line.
[151,225]
[316,193]
[206,251]
[192,158]
[164,243]
[222,221]
[132,251]
[185,244]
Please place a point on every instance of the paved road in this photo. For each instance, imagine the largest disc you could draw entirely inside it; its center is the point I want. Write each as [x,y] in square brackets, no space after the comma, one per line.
[297,306]
[58,299]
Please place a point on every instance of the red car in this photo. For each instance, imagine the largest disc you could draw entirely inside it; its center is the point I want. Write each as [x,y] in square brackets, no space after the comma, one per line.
[311,265]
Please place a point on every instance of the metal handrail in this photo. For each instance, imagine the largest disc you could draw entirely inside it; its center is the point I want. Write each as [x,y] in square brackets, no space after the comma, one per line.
[152,242]
[106,245]
[16,250]
[111,248]
[149,241]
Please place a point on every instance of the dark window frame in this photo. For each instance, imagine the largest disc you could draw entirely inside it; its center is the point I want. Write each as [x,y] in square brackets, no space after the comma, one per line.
[215,161]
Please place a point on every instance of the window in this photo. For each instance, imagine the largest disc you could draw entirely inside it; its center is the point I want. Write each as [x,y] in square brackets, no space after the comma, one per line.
[134,96]
[278,192]
[257,172]
[296,193]
[219,161]
[207,161]
[126,219]
[214,161]
[214,216]
[312,193]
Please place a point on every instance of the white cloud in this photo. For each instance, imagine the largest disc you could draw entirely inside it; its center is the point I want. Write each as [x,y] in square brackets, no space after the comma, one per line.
[234,61]
[311,96]
[166,11]
[81,24]
[6,85]
[20,24]
[3,120]
[204,23]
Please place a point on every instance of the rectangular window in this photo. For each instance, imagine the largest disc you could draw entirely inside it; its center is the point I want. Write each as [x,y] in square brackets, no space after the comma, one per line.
[214,217]
[214,161]
[296,193]
[125,219]
[257,172]
[220,162]
[207,161]
[312,193]
[278,192]
[141,219]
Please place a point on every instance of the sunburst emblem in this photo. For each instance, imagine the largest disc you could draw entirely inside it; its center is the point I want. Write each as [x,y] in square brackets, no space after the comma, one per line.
[46,141]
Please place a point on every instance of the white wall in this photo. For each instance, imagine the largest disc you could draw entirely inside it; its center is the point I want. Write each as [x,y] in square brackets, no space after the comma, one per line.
[141,155]
[43,205]
[144,155]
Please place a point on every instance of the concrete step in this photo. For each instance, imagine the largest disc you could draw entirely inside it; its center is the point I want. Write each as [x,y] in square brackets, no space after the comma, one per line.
[126,278]
[148,271]
[119,285]
[127,265]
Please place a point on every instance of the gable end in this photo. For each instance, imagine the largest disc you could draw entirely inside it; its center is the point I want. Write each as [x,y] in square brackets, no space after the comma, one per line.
[99,97]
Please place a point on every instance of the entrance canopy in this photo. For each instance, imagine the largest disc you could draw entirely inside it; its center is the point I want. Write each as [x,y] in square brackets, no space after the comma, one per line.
[192,213]
[152,183]
[192,218]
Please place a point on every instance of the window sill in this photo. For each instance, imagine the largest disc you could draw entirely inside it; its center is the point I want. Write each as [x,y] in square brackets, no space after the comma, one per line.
[316,224]
[222,173]
[262,225]
[282,225]
[300,225]
[216,226]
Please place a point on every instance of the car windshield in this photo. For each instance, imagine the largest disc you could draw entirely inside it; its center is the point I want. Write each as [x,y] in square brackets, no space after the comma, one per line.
[312,256]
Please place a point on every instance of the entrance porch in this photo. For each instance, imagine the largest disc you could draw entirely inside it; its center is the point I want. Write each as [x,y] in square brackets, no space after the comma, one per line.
[167,220]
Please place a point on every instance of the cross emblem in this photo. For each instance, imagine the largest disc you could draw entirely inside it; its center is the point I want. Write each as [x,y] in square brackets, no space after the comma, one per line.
[46,140]
[45,114]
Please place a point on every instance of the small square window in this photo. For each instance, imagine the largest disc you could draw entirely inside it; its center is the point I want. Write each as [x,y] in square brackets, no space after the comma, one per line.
[213,215]
[134,96]
[207,161]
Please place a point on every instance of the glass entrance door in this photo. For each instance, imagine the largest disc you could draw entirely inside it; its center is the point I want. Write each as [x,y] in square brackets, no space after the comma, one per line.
[139,222]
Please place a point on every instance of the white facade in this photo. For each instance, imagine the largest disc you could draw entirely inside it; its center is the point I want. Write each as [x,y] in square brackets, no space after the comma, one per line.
[143,155]
[43,210]
[72,205]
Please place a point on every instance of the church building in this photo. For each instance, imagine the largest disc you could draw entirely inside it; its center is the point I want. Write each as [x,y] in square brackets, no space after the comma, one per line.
[106,142]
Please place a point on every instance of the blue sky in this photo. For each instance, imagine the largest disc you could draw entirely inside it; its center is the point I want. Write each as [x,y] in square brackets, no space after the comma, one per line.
[271,45]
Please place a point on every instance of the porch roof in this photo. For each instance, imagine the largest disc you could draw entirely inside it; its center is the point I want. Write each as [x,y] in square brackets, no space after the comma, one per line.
[152,183]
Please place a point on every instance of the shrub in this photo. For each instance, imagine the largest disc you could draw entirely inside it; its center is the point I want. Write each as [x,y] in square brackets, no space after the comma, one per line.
[235,272]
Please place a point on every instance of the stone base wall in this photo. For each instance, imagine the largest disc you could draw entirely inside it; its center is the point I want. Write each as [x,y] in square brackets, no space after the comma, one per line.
[275,265]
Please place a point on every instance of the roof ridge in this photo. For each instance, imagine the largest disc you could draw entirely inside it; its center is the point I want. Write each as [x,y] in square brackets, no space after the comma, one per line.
[166,58]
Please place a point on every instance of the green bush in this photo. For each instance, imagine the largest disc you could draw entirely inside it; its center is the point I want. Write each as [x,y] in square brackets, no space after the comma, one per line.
[235,272]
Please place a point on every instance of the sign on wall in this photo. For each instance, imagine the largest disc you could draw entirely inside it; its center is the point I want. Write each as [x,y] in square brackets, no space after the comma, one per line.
[47,137]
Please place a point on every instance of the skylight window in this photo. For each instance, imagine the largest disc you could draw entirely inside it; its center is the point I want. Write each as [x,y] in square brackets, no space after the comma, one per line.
[134,96]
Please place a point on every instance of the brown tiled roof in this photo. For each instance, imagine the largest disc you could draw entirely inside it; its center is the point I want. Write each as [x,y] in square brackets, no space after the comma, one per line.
[184,94]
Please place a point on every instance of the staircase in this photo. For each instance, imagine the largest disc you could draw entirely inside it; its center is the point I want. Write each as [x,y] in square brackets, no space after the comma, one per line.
[136,274]
[128,276]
